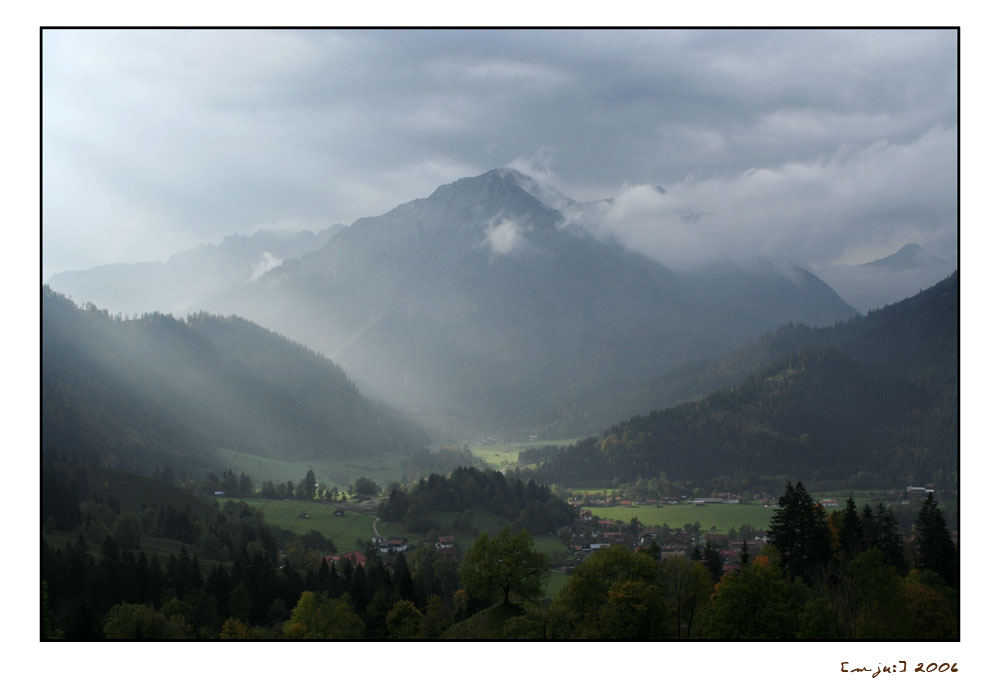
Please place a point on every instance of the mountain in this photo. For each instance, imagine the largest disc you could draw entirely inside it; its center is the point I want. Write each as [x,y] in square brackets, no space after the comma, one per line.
[875,284]
[158,391]
[872,402]
[483,306]
[188,276]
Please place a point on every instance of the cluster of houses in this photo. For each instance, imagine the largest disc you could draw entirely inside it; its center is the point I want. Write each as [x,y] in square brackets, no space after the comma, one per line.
[619,501]
[390,545]
[589,534]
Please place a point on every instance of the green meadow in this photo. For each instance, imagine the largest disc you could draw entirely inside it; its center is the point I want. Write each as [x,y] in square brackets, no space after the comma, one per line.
[383,469]
[344,530]
[722,516]
[499,455]
[352,530]
[557,580]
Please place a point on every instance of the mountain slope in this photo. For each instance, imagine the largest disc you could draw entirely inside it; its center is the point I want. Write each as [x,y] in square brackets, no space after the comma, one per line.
[156,391]
[887,280]
[188,276]
[873,401]
[483,304]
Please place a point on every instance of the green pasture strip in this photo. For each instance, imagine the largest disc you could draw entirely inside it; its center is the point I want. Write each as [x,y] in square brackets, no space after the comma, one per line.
[593,491]
[344,530]
[383,468]
[395,529]
[557,580]
[549,544]
[722,516]
[497,455]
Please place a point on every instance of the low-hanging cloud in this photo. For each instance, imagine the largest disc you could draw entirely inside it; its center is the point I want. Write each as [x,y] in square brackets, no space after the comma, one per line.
[266,263]
[504,237]
[155,141]
[855,204]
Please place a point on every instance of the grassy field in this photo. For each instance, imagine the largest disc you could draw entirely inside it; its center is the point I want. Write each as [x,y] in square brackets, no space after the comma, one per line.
[344,530]
[722,516]
[352,530]
[383,469]
[498,455]
[557,580]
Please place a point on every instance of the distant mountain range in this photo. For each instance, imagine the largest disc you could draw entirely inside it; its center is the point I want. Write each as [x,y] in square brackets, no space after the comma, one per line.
[189,276]
[875,284]
[158,391]
[486,307]
[872,402]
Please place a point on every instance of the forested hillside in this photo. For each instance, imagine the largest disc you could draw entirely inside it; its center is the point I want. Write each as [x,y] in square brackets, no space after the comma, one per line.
[872,401]
[158,391]
[524,505]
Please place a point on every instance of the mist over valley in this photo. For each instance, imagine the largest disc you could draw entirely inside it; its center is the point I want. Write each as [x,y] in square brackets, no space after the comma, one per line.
[499,334]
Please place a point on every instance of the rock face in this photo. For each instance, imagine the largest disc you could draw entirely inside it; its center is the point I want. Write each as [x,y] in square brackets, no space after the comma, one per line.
[483,305]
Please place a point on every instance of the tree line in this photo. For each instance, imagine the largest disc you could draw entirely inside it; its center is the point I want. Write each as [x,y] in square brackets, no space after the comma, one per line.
[525,505]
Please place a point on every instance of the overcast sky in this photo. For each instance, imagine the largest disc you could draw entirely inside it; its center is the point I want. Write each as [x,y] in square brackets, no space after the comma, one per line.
[819,146]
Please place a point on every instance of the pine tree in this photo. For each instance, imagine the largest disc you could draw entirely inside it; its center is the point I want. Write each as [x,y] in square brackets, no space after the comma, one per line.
[800,534]
[402,579]
[869,530]
[935,549]
[849,532]
[890,541]
[713,561]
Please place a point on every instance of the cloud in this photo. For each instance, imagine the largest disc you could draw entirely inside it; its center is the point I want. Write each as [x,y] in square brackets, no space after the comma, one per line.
[854,202]
[157,140]
[503,237]
[267,262]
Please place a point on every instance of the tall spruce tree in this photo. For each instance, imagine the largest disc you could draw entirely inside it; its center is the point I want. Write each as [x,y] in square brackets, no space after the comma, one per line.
[849,532]
[890,541]
[800,534]
[713,561]
[935,549]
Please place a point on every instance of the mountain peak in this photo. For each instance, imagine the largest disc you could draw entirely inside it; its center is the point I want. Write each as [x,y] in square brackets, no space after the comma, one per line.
[910,256]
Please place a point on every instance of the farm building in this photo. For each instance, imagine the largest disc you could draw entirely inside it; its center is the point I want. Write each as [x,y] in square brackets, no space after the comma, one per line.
[391,545]
[354,557]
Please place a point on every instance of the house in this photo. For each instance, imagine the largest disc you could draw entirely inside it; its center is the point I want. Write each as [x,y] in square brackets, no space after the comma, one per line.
[445,542]
[829,503]
[392,545]
[354,557]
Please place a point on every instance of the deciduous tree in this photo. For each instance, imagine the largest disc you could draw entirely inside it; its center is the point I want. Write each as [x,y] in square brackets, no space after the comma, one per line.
[504,564]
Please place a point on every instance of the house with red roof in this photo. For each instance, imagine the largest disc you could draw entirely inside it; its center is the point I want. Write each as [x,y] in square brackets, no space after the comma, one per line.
[357,559]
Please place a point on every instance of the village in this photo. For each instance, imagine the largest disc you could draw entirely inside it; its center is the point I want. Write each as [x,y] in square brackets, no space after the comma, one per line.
[590,533]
